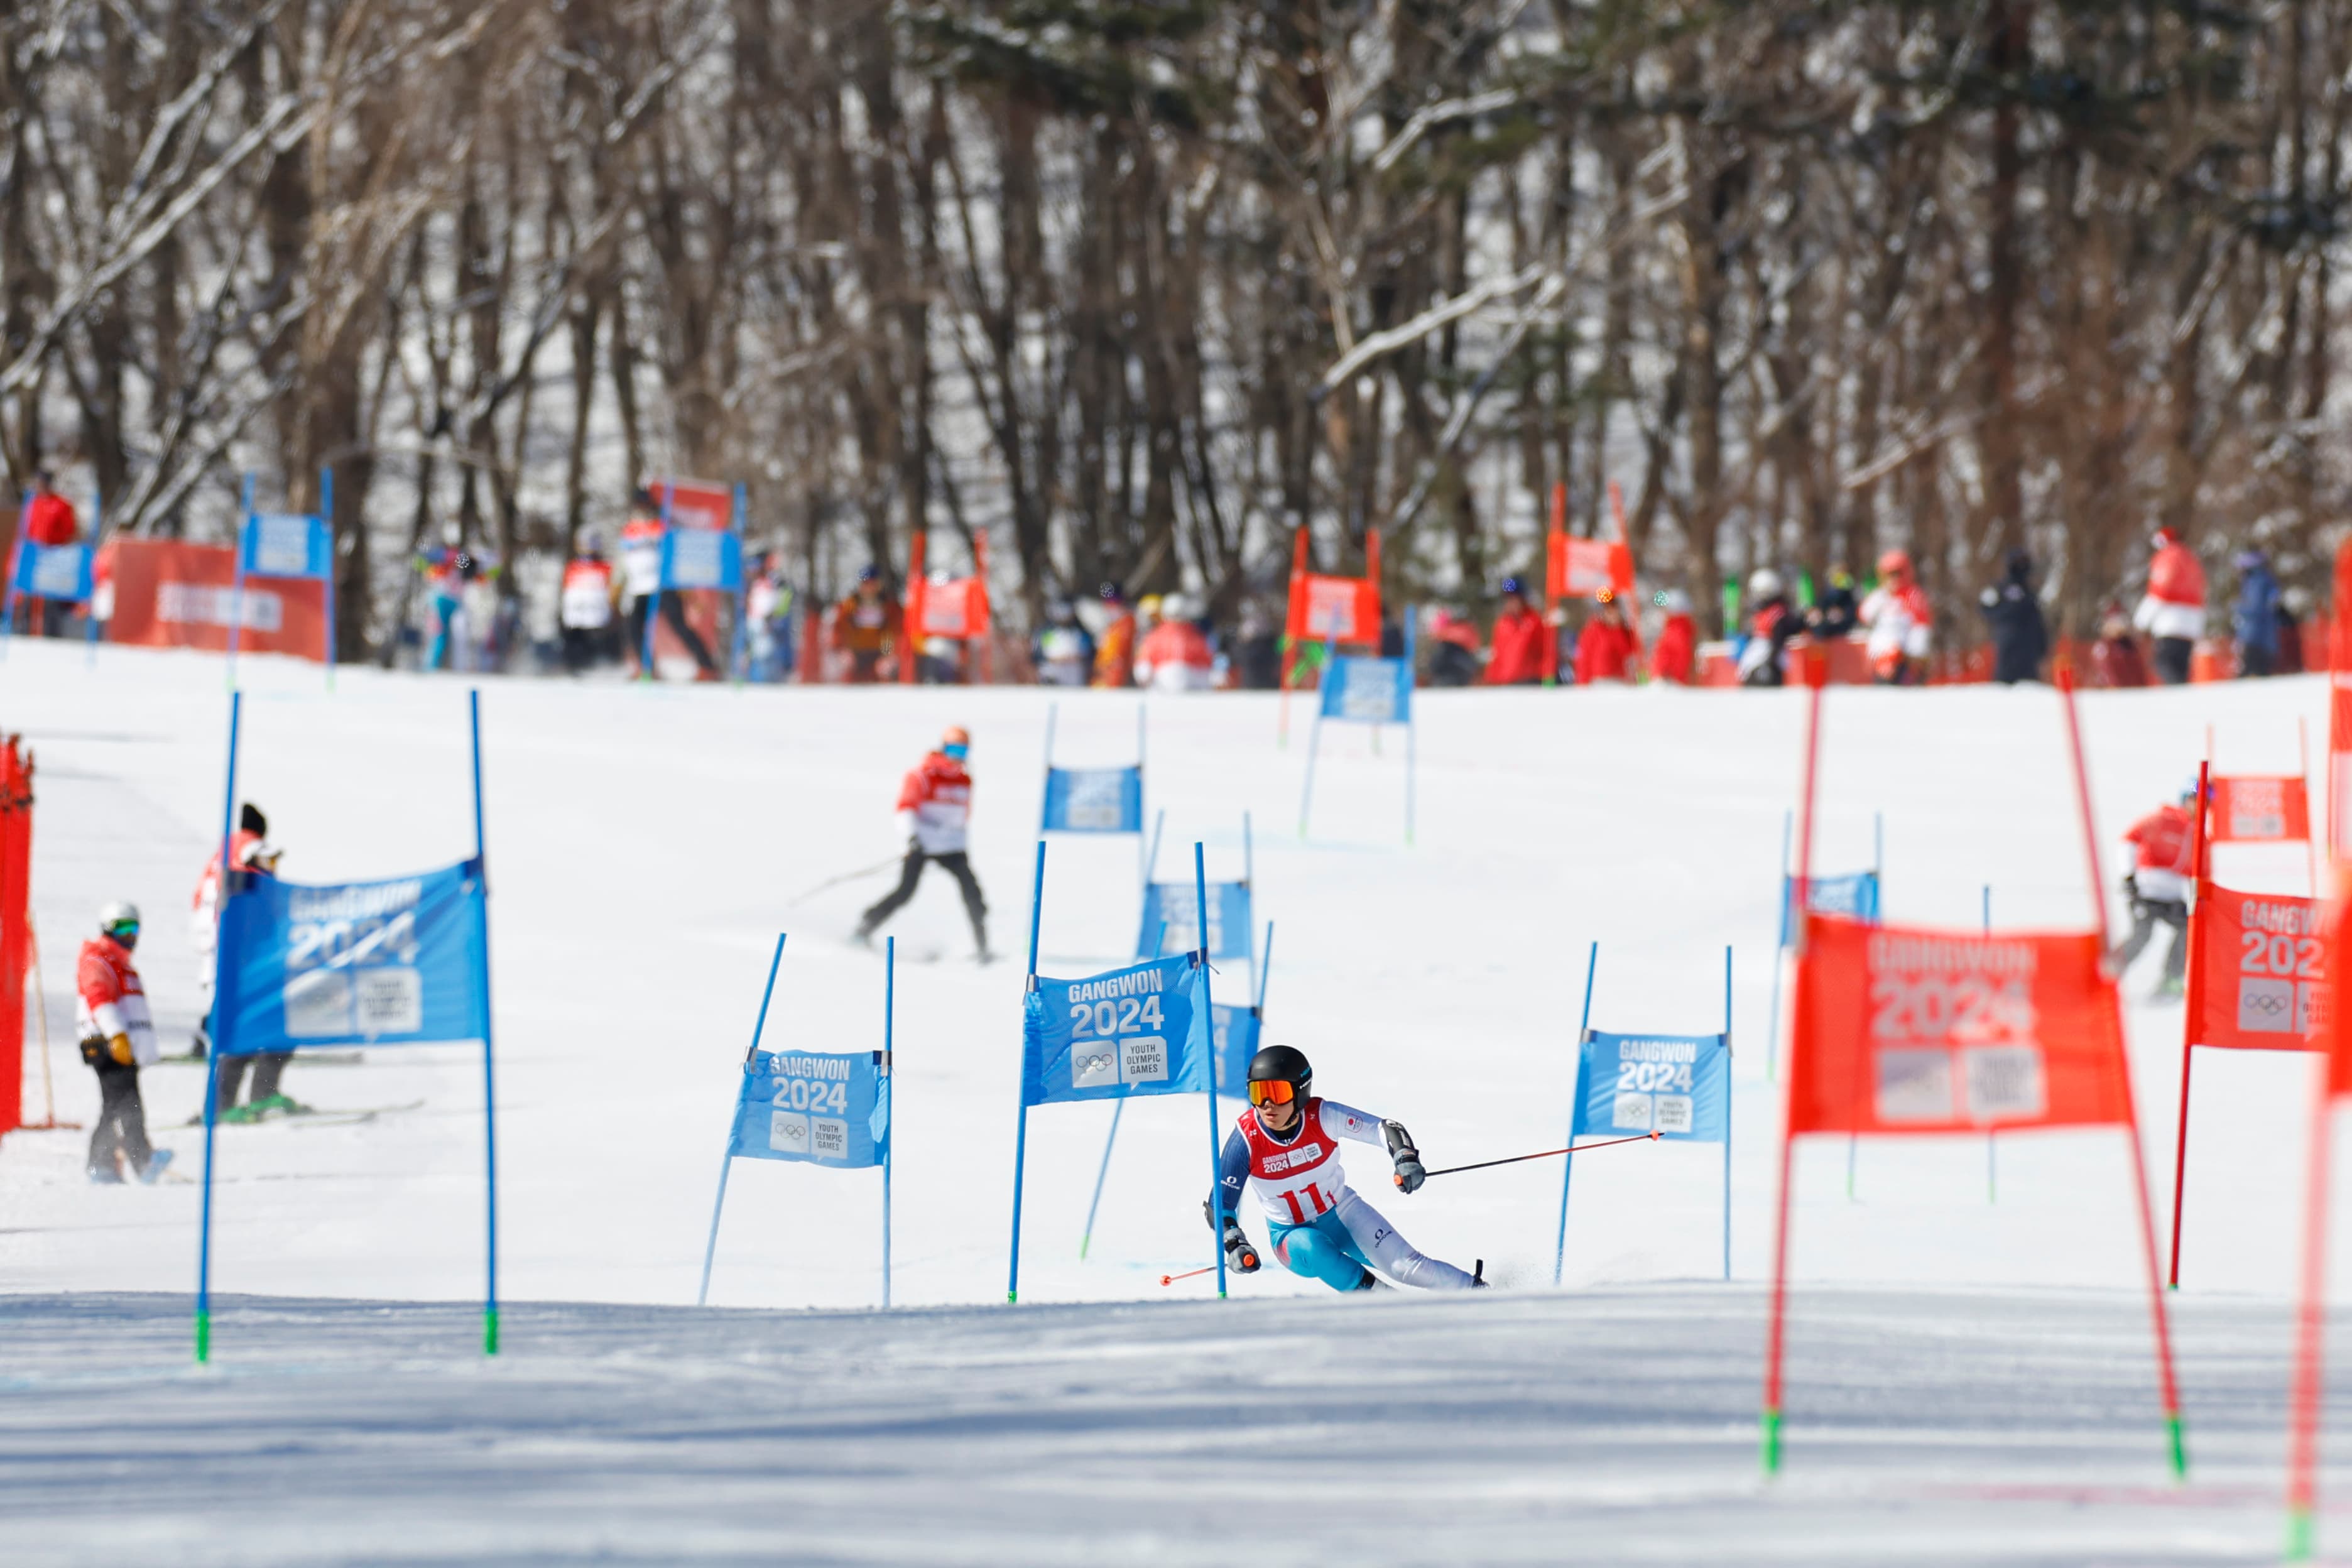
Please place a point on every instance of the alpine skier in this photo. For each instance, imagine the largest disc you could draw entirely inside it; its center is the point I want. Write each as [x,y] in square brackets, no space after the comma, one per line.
[117,1039]
[1285,1149]
[935,808]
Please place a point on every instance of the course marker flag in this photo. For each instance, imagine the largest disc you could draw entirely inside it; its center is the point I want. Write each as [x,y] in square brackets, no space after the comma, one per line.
[819,1108]
[1676,1087]
[1905,1030]
[1140,1030]
[1372,691]
[401,962]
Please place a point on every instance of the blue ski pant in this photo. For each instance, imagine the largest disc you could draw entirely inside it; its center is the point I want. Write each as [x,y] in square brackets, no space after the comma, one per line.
[1340,1245]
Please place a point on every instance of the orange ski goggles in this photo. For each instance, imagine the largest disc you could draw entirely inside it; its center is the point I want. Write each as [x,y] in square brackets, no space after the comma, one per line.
[1272,1091]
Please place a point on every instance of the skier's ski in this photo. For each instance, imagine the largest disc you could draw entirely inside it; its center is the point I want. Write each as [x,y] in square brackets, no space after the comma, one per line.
[314,1116]
[306,1058]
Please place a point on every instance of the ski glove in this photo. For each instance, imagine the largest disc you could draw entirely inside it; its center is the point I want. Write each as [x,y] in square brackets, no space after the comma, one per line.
[1409,1173]
[119,1047]
[1240,1256]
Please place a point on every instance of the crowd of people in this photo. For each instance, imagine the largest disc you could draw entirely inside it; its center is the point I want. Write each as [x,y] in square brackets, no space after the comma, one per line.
[612,611]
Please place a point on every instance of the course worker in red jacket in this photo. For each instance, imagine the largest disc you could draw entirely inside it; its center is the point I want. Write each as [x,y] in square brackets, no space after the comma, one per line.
[49,519]
[1606,650]
[2159,883]
[1675,656]
[1514,657]
[935,809]
[117,1039]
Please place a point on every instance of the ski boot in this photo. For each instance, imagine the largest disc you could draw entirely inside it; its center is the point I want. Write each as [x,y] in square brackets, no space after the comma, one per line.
[106,1175]
[158,1162]
[278,1105]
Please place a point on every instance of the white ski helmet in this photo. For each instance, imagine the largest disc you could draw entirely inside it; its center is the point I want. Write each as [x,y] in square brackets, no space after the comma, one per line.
[120,920]
[1763,583]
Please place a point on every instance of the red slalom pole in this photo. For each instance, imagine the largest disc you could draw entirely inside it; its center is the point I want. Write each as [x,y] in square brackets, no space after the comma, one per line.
[2191,1011]
[2168,1388]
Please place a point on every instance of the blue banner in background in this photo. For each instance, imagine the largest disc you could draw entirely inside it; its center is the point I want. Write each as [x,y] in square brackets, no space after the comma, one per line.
[1678,1085]
[53,570]
[825,1108]
[1177,903]
[1233,1031]
[1368,690]
[1140,1030]
[287,544]
[379,964]
[1094,800]
[702,558]
[1854,895]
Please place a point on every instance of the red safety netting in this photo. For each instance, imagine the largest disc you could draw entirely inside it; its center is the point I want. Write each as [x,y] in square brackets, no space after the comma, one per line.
[164,593]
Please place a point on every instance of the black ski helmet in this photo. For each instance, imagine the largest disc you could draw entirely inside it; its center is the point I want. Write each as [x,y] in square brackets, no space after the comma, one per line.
[1283,1064]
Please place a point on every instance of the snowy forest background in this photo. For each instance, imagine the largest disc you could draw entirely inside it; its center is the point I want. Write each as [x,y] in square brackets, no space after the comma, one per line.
[1134,287]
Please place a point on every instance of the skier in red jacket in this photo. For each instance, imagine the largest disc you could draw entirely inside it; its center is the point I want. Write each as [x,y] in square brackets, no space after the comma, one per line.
[935,808]
[1606,650]
[49,520]
[2158,886]
[1515,655]
[117,1039]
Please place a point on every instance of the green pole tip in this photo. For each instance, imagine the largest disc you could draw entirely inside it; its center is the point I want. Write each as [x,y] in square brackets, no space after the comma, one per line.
[1012,1296]
[2298,1535]
[490,1331]
[204,1338]
[1772,1423]
[2179,1448]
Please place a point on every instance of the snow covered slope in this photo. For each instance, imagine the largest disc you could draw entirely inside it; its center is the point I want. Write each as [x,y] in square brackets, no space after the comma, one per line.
[647,844]
[1611,1425]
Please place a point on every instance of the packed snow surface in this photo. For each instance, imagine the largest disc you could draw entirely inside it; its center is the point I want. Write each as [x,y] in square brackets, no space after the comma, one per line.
[646,845]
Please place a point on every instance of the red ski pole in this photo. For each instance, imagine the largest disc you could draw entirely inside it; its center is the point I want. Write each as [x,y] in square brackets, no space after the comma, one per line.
[1172,1278]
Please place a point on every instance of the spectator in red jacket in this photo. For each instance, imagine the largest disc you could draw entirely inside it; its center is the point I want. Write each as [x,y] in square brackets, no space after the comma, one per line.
[1675,656]
[935,809]
[49,519]
[2159,884]
[2173,612]
[1514,657]
[1607,648]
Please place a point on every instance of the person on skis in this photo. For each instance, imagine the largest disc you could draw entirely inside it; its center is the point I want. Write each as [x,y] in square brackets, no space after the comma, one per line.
[250,850]
[2157,885]
[935,808]
[1285,1149]
[117,1039]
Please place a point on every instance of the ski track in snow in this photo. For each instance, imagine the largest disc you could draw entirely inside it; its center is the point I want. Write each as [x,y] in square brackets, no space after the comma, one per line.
[1969,1379]
[1610,1425]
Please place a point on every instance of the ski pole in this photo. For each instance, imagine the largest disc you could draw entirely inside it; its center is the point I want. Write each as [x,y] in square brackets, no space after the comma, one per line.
[1172,1278]
[1548,1153]
[845,877]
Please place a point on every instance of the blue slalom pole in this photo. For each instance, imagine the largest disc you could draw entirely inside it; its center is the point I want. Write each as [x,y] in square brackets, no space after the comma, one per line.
[327,518]
[1412,723]
[1021,1133]
[1143,872]
[89,606]
[1117,1109]
[221,1015]
[1568,1163]
[15,558]
[1266,970]
[1201,907]
[236,591]
[890,1016]
[1151,861]
[490,1078]
[1045,802]
[727,1160]
[653,611]
[1730,1104]
[739,661]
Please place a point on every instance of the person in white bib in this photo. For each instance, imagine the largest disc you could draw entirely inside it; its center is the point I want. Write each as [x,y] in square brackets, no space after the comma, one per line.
[1286,1150]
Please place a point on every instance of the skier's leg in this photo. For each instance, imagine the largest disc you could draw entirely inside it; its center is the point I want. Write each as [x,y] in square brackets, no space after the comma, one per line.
[105,1138]
[673,614]
[1318,1251]
[265,1071]
[1391,1254]
[910,873]
[958,866]
[230,1078]
[131,1121]
[2175,957]
[2143,927]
